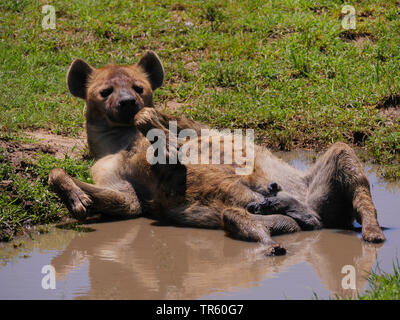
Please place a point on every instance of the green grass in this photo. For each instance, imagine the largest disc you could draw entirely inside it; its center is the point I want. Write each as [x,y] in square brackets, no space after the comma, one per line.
[284,68]
[383,285]
[26,199]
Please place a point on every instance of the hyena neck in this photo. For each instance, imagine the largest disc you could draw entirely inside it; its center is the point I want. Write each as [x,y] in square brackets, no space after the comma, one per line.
[104,140]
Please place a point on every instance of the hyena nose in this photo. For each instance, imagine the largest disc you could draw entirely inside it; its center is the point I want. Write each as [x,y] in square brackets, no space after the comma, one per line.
[127,105]
[127,108]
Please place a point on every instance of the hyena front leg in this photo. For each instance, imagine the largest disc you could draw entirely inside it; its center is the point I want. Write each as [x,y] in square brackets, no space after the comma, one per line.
[148,119]
[82,198]
[339,191]
[172,174]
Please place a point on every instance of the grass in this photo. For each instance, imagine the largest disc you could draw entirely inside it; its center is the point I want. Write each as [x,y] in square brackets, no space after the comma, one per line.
[383,285]
[284,68]
[25,199]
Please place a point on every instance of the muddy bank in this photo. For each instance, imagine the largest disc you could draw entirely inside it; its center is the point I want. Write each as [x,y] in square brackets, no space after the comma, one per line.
[25,161]
[41,141]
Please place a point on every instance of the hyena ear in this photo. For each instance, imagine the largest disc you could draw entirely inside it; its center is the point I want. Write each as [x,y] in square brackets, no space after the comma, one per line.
[77,77]
[151,64]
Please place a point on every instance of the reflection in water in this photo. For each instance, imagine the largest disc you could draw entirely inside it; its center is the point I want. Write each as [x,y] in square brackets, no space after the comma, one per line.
[46,242]
[139,259]
[136,260]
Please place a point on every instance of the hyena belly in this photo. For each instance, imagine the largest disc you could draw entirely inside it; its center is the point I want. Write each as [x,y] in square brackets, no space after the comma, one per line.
[285,191]
[289,179]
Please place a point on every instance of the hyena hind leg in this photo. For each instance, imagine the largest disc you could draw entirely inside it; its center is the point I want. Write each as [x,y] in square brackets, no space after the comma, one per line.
[240,224]
[285,204]
[278,224]
[236,222]
[83,199]
[345,192]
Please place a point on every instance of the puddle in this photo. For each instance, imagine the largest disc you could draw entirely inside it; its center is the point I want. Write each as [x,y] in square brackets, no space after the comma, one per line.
[138,259]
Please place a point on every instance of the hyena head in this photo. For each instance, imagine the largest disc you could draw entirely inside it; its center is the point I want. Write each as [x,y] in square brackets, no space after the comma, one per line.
[115,92]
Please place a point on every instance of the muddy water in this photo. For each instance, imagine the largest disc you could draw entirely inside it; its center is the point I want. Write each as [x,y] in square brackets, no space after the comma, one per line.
[140,259]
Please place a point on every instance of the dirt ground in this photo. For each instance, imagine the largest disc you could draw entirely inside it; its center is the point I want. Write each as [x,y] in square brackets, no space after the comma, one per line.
[56,145]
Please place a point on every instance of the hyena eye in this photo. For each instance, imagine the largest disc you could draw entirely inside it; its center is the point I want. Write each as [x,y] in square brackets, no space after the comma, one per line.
[138,89]
[106,92]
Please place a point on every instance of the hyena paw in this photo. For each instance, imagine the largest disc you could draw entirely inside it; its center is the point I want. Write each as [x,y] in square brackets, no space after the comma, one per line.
[372,233]
[274,188]
[78,202]
[254,208]
[306,221]
[73,197]
[270,205]
[145,118]
[275,250]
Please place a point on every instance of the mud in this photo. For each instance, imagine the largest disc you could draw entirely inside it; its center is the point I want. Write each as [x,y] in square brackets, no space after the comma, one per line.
[19,153]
